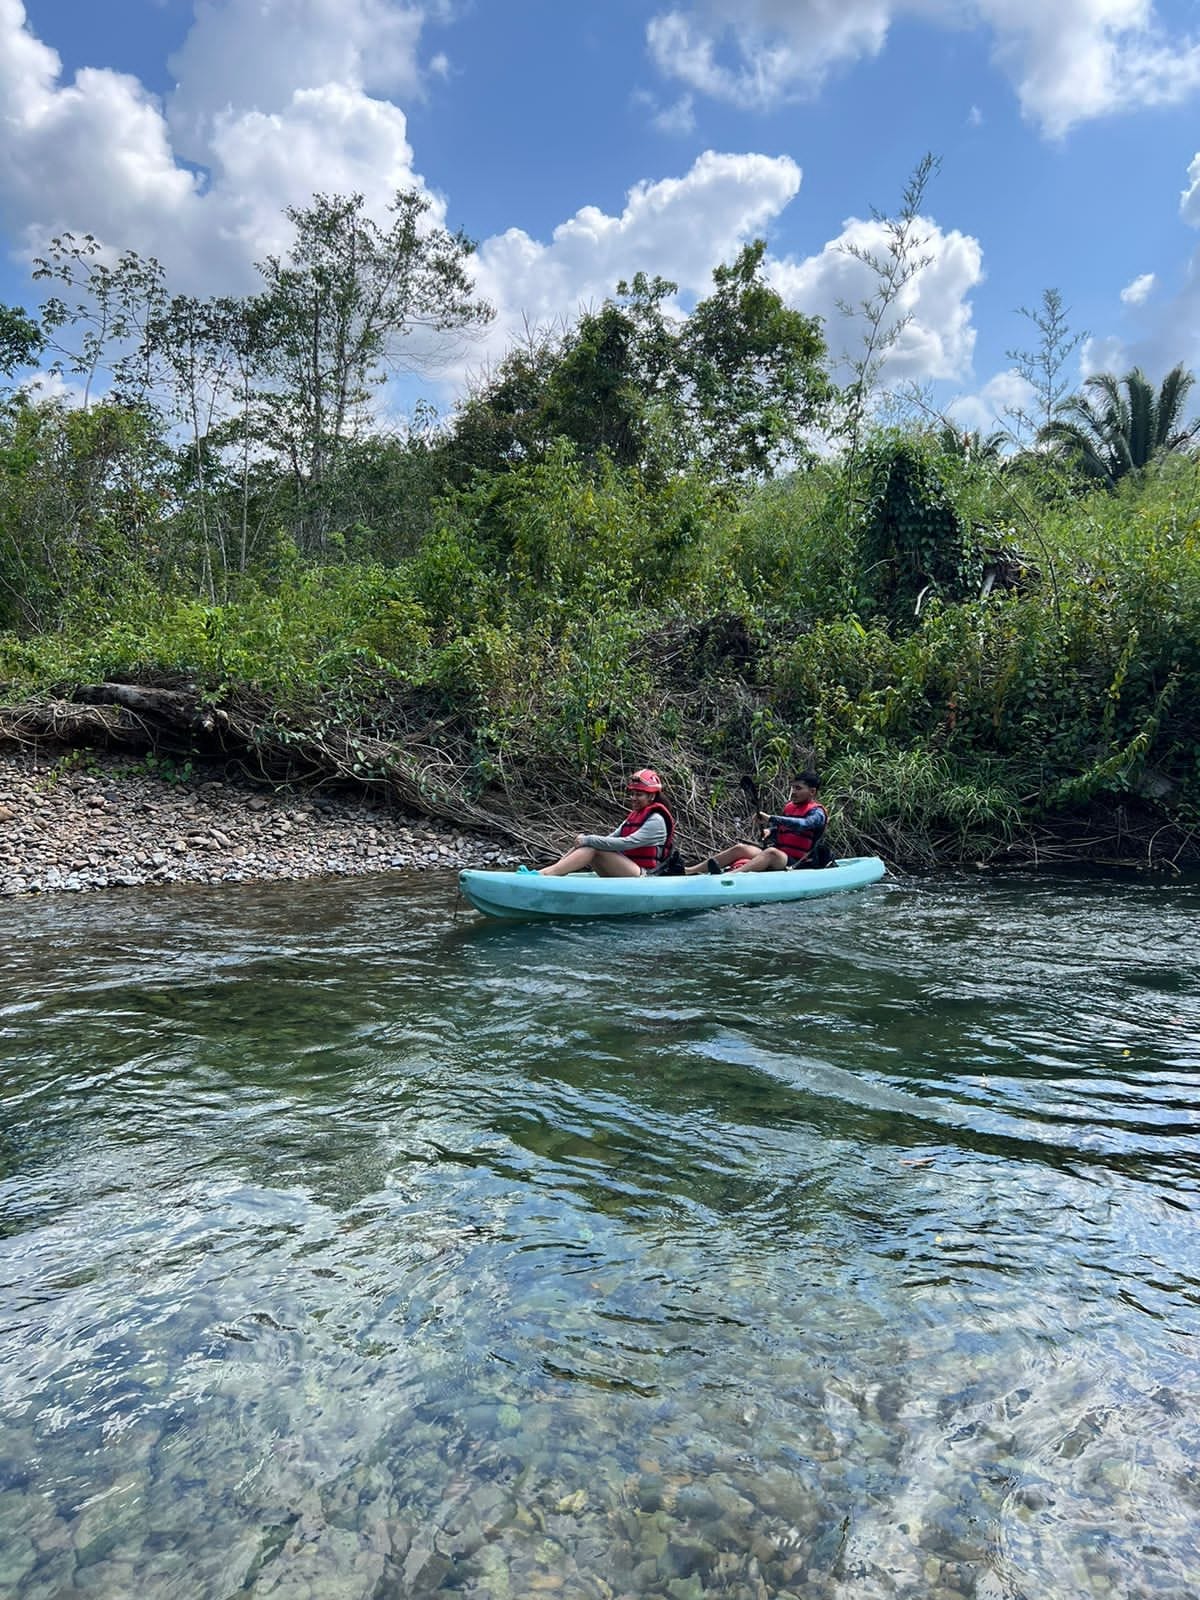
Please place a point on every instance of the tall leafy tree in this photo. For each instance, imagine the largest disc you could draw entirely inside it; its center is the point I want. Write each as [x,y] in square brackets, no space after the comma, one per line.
[502,423]
[212,353]
[342,312]
[751,369]
[1119,425]
[732,389]
[97,319]
[618,375]
[81,501]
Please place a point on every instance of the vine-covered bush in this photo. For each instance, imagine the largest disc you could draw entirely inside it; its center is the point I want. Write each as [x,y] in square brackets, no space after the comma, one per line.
[912,540]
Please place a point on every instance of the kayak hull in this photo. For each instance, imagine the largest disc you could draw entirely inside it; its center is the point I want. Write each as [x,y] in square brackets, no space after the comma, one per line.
[526,895]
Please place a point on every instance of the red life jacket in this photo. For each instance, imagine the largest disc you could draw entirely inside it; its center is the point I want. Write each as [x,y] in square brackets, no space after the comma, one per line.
[648,856]
[794,844]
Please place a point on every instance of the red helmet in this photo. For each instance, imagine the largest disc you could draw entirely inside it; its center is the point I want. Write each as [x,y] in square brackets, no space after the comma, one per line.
[647,780]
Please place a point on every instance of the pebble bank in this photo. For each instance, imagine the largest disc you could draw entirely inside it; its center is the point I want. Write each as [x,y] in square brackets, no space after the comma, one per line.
[72,824]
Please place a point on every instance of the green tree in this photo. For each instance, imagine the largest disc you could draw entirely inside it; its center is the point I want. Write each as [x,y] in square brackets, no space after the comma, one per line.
[732,389]
[599,393]
[596,385]
[102,330]
[21,339]
[502,423]
[751,370]
[340,312]
[82,493]
[1119,425]
[212,353]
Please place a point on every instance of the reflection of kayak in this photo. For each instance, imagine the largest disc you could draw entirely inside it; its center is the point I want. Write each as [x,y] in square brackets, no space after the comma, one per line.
[582,894]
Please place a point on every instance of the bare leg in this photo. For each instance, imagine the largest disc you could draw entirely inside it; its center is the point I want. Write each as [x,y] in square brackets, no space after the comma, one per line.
[606,863]
[769,860]
[612,864]
[725,858]
[577,860]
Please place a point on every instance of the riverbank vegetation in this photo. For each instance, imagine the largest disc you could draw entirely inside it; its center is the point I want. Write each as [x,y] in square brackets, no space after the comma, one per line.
[648,537]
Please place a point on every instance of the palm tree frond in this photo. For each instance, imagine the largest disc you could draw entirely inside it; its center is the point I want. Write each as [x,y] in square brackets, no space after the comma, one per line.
[1118,425]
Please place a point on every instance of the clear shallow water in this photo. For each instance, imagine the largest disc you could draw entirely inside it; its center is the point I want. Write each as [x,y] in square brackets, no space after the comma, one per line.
[834,1250]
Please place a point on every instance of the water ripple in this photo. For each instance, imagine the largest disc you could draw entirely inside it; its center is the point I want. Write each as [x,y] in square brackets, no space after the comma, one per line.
[845,1250]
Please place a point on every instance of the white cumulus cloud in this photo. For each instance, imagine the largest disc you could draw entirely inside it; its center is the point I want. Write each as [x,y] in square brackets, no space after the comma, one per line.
[275,101]
[683,227]
[1069,61]
[1135,293]
[679,228]
[777,46]
[678,118]
[1107,354]
[93,154]
[937,339]
[254,55]
[1169,330]
[99,154]
[1005,396]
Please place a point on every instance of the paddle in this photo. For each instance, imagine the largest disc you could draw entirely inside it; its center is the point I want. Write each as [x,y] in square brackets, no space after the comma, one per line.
[750,790]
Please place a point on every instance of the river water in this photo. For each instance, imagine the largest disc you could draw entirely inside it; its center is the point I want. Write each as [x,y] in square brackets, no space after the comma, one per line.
[849,1249]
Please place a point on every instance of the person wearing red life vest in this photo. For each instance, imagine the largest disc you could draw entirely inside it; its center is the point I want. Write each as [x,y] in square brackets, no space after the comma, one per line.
[640,844]
[789,838]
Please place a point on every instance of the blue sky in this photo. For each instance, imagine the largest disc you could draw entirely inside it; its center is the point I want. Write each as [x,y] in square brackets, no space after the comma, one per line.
[578,140]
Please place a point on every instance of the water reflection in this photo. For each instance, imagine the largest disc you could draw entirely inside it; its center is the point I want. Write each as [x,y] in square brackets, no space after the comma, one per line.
[836,1250]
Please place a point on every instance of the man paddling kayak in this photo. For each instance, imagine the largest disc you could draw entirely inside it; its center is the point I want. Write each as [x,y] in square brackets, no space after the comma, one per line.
[790,838]
[641,843]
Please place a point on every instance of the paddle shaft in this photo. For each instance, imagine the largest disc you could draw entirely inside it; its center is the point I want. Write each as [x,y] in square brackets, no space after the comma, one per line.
[750,790]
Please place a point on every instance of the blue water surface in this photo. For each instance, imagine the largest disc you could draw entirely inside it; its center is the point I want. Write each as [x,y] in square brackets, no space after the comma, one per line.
[353,1247]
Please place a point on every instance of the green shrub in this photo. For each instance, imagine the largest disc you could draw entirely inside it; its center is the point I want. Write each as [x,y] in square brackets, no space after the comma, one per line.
[912,540]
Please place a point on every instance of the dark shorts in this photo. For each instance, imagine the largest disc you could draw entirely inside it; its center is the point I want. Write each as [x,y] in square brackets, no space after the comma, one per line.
[813,861]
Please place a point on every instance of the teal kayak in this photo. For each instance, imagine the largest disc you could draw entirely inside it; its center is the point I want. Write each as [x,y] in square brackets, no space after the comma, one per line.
[582,894]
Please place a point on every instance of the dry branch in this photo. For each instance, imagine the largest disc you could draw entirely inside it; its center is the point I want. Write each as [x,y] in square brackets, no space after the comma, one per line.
[425,766]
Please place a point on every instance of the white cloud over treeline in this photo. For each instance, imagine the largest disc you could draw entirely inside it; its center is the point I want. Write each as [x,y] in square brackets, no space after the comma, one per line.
[1135,293]
[274,100]
[251,127]
[277,99]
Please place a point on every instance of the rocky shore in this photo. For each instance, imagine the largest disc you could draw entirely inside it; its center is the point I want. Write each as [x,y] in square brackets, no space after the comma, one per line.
[76,821]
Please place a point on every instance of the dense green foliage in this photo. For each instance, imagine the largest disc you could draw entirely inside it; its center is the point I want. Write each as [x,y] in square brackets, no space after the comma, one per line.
[20,340]
[599,562]
[732,389]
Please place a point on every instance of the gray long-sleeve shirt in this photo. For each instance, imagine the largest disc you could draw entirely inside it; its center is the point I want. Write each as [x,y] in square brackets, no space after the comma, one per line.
[652,831]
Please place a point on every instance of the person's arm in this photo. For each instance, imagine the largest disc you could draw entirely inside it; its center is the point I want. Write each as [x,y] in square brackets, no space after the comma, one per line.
[652,831]
[812,823]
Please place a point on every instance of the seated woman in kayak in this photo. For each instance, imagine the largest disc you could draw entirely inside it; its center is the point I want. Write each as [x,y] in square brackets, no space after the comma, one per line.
[641,843]
[788,839]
